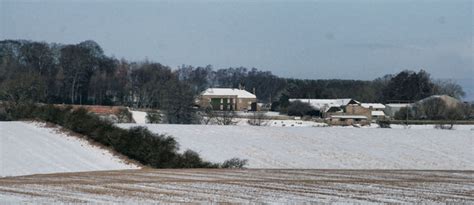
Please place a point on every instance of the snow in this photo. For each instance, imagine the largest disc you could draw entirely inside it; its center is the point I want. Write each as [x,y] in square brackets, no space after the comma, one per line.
[241,186]
[228,91]
[398,105]
[425,127]
[377,113]
[139,116]
[29,148]
[327,147]
[325,104]
[373,105]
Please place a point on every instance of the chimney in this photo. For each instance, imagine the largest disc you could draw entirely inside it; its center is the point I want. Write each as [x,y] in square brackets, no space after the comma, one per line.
[254,91]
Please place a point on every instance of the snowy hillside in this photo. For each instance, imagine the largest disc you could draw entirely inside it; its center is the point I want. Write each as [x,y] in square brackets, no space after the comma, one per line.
[327,148]
[139,116]
[28,148]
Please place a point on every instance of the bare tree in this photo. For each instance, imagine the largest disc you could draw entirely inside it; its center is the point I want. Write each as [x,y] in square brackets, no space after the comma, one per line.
[433,109]
[449,87]
[226,117]
[207,115]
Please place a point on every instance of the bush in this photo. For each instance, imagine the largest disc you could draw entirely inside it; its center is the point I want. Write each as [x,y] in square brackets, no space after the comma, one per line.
[153,117]
[444,126]
[52,114]
[234,163]
[20,111]
[404,113]
[124,116]
[383,123]
[298,108]
[191,159]
[4,116]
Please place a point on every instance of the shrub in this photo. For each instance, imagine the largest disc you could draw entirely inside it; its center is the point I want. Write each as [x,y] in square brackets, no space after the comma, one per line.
[20,111]
[82,122]
[4,116]
[226,117]
[444,126]
[298,108]
[383,123]
[234,163]
[404,113]
[191,159]
[124,116]
[153,117]
[52,114]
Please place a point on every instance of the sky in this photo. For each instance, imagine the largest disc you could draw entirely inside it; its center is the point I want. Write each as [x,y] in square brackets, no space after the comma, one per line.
[347,39]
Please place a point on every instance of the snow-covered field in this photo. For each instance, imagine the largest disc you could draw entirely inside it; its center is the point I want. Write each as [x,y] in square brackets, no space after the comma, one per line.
[151,186]
[281,123]
[139,116]
[29,148]
[424,127]
[327,147]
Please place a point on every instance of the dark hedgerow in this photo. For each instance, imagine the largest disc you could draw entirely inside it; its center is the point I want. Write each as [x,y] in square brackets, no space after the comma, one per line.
[137,143]
[234,163]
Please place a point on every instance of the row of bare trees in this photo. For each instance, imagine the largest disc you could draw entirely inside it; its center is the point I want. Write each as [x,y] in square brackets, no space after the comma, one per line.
[82,74]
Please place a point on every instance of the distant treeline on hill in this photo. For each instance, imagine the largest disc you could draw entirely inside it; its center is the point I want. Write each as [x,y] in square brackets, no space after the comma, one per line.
[83,74]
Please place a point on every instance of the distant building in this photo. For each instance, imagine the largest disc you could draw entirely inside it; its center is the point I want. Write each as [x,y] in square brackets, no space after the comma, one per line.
[377,110]
[228,99]
[357,109]
[374,106]
[346,120]
[340,107]
[392,108]
[328,106]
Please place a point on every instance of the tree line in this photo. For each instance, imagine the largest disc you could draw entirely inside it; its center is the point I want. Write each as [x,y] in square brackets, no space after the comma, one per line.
[82,74]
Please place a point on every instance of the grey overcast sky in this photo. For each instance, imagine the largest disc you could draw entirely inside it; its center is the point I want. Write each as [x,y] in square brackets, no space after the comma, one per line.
[349,39]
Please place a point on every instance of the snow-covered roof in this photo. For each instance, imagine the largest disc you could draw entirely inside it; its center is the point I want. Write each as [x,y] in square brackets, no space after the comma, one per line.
[378,113]
[373,105]
[398,105]
[228,92]
[349,116]
[325,104]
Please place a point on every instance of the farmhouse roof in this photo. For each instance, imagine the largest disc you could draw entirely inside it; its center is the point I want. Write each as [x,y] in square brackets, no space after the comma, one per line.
[378,113]
[398,105]
[373,105]
[228,92]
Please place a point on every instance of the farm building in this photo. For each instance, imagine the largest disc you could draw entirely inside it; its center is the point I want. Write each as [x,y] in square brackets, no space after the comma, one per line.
[347,120]
[357,110]
[228,99]
[374,106]
[339,107]
[377,110]
[328,105]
